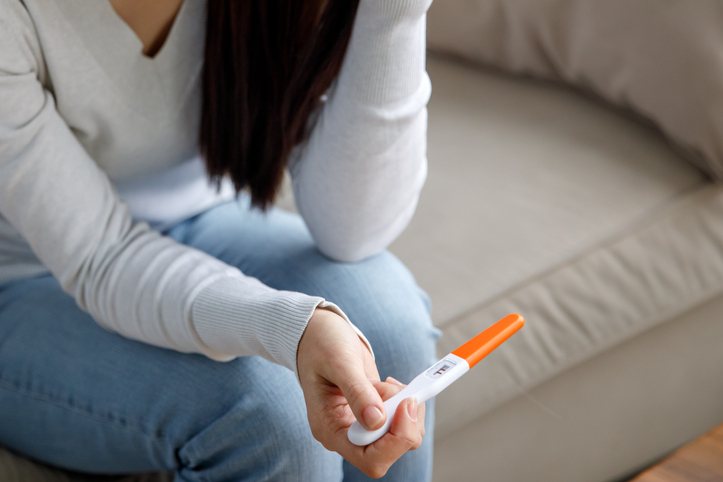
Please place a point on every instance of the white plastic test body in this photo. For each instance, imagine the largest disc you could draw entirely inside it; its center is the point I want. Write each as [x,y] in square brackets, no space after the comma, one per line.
[441,375]
[423,387]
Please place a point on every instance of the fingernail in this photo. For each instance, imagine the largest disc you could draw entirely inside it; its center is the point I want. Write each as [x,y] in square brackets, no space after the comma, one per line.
[394,381]
[372,416]
[412,409]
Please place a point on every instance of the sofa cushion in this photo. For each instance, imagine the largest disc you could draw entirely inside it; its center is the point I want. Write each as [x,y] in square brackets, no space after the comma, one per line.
[544,202]
[661,58]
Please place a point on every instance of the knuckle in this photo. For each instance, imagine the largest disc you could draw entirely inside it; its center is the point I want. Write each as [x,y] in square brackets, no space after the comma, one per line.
[327,445]
[355,392]
[321,437]
[409,439]
[336,412]
[416,445]
[411,442]
[377,471]
[316,433]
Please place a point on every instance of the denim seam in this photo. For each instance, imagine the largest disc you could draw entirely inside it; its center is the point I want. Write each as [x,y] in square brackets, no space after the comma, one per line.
[15,387]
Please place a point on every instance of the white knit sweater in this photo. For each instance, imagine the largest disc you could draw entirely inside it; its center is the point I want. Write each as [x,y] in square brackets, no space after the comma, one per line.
[99,145]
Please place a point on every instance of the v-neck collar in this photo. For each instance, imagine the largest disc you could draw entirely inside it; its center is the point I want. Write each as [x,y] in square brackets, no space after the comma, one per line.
[174,23]
[159,84]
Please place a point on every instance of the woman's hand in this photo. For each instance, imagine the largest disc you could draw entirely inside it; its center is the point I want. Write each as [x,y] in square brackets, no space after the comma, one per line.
[341,385]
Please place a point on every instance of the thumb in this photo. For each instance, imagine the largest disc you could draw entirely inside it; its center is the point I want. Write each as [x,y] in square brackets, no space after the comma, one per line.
[364,400]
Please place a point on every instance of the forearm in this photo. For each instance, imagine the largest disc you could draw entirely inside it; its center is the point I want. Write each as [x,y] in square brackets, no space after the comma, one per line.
[385,60]
[358,179]
[131,279]
[128,277]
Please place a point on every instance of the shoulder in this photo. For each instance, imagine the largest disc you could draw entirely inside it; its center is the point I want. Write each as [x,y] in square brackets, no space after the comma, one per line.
[20,49]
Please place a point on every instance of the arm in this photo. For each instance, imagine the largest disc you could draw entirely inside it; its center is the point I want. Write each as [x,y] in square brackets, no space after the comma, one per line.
[129,278]
[358,179]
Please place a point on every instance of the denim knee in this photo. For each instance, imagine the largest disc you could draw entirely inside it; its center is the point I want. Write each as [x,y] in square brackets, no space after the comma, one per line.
[265,435]
[382,298]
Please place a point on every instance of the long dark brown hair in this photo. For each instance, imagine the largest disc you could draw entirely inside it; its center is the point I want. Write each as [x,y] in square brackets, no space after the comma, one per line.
[267,65]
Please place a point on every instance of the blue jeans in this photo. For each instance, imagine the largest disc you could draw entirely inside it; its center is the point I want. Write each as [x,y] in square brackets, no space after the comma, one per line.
[79,397]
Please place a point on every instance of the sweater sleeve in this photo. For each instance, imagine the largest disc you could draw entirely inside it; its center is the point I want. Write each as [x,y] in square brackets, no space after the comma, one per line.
[128,277]
[357,180]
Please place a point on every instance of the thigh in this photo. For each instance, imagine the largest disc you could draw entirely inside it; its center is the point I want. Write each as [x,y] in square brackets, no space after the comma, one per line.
[379,294]
[80,397]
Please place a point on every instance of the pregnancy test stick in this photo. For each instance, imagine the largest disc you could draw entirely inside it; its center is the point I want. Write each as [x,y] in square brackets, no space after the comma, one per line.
[442,374]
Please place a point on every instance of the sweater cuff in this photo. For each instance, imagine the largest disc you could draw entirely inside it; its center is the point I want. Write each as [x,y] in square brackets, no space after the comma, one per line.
[232,318]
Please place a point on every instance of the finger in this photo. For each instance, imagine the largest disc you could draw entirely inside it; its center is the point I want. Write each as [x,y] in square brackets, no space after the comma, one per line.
[364,400]
[403,435]
[387,390]
[394,381]
[406,427]
[370,367]
[375,459]
[421,410]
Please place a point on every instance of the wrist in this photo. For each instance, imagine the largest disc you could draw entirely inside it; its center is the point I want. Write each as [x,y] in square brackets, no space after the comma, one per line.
[327,318]
[320,322]
[334,309]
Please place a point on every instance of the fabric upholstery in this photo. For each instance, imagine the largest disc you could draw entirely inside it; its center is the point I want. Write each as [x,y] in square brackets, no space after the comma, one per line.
[663,59]
[602,420]
[543,202]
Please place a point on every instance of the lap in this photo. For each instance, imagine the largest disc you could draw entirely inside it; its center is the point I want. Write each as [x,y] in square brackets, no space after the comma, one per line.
[80,397]
[67,381]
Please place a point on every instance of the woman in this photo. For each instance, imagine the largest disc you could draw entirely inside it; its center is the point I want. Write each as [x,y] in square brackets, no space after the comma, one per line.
[112,114]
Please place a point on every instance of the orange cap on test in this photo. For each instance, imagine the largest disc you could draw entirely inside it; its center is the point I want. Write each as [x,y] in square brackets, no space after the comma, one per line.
[481,345]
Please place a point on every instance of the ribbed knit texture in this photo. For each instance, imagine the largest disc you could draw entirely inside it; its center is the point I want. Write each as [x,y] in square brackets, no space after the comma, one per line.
[217,310]
[94,138]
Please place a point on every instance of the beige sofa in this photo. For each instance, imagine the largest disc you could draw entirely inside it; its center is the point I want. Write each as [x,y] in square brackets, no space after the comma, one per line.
[544,202]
